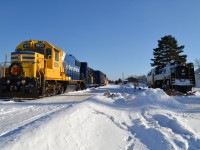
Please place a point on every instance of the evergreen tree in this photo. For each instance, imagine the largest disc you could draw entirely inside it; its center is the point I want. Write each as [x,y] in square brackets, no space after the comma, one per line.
[167,51]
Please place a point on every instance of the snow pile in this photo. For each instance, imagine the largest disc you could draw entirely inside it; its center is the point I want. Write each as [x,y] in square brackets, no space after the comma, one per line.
[197,94]
[156,97]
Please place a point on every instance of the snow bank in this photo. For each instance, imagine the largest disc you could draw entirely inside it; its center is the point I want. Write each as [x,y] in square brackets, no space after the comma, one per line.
[80,127]
[88,120]
[156,97]
[197,94]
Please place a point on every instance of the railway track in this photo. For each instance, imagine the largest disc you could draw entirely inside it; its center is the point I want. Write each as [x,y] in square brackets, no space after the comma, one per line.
[14,116]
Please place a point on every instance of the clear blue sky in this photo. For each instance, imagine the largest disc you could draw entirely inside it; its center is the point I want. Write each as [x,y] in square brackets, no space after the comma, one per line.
[114,36]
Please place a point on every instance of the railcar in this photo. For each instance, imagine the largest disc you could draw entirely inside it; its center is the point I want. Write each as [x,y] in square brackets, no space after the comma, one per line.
[91,77]
[38,69]
[176,75]
[100,78]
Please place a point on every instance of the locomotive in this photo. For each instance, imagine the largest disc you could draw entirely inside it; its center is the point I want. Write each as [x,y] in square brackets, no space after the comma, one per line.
[39,69]
[175,75]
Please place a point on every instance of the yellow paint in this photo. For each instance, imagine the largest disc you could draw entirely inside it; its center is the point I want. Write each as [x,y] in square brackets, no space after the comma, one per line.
[49,66]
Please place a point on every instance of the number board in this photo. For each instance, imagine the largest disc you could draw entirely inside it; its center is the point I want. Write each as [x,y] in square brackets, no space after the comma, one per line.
[39,45]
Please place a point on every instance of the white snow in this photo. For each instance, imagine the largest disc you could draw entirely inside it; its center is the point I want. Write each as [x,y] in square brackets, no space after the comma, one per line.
[113,117]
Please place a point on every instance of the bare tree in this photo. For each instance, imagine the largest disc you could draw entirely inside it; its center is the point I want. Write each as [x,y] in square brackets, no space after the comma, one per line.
[197,62]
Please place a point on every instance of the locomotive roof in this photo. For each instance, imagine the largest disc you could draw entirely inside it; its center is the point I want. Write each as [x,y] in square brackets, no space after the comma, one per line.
[33,42]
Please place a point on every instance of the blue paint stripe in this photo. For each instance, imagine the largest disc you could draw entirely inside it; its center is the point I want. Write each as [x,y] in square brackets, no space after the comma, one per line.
[24,57]
[23,52]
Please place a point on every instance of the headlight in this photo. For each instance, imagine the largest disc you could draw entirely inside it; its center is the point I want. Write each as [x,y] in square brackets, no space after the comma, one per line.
[8,81]
[23,81]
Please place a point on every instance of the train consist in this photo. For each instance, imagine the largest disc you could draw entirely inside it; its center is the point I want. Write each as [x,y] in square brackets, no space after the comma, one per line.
[176,75]
[39,69]
[92,78]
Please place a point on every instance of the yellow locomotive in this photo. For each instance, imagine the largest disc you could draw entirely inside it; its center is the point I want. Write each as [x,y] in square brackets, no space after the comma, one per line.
[39,69]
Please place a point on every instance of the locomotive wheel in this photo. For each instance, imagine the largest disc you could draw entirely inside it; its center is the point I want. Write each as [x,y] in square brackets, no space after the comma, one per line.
[62,90]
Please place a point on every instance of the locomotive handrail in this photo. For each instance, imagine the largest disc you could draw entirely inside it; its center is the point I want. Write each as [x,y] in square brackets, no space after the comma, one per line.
[38,69]
[3,68]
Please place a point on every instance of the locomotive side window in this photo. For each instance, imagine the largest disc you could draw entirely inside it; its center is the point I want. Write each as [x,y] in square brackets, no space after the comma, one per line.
[48,53]
[56,55]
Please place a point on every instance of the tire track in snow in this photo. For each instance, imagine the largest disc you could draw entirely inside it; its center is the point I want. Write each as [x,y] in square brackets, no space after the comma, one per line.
[111,118]
[131,140]
[38,119]
[25,116]
[51,109]
[35,121]
[178,130]
[144,130]
[24,113]
[172,129]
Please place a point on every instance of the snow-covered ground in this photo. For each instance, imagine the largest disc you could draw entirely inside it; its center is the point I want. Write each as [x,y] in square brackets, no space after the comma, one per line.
[107,118]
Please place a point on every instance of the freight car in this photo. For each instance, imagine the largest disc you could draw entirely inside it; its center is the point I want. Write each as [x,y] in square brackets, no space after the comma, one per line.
[91,77]
[39,69]
[100,78]
[175,75]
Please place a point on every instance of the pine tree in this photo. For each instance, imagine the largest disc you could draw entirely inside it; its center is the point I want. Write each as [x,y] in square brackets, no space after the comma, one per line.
[167,51]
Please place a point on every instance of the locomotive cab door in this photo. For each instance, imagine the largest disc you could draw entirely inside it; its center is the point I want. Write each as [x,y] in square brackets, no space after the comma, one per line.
[56,63]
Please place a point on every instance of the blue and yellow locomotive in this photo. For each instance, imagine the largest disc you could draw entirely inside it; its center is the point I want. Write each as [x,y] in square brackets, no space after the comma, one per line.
[39,69]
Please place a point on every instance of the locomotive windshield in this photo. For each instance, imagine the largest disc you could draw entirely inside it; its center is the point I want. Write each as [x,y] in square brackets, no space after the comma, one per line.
[41,51]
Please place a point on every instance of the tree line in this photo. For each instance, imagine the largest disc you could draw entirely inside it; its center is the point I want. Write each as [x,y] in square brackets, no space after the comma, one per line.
[131,79]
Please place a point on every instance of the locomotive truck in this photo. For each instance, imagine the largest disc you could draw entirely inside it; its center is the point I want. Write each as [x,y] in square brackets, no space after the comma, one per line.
[175,75]
[38,69]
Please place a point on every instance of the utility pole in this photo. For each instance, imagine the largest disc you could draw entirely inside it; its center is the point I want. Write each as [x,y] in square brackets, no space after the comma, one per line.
[123,83]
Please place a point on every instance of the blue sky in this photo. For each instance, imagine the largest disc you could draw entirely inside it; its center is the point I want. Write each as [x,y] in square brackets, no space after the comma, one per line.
[114,36]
